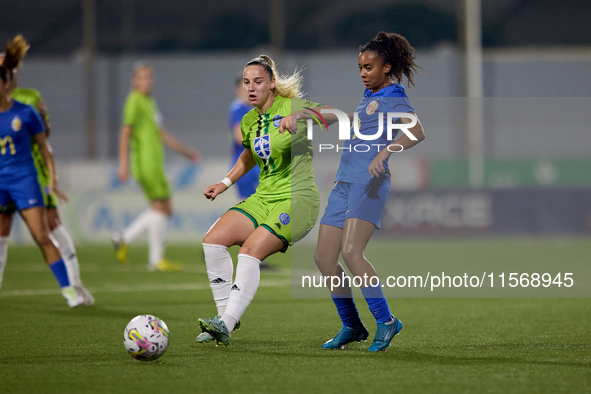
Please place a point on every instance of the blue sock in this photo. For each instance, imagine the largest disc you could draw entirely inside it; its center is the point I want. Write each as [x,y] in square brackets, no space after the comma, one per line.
[378,305]
[59,271]
[347,309]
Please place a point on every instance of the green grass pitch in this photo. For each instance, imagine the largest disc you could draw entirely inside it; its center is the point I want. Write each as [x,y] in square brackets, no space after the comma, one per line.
[447,345]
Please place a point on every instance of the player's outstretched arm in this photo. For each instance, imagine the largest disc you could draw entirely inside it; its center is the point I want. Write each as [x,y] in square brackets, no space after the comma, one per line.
[244,164]
[124,136]
[169,140]
[289,123]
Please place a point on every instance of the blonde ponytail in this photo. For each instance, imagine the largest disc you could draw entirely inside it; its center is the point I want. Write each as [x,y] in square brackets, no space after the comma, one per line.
[289,86]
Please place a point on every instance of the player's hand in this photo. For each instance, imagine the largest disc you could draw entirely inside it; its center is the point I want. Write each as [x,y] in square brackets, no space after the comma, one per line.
[123,174]
[194,156]
[376,167]
[61,196]
[289,124]
[212,191]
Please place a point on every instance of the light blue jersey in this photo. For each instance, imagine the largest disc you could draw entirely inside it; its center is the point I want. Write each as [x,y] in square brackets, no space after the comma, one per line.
[355,160]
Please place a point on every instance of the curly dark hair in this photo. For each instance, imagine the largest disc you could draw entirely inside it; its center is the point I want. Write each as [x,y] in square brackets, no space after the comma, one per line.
[395,50]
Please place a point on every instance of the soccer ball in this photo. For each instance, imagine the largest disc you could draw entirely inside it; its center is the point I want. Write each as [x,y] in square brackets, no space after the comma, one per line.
[146,337]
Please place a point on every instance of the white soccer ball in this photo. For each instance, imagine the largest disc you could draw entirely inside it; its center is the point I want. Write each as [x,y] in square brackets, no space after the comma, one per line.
[146,337]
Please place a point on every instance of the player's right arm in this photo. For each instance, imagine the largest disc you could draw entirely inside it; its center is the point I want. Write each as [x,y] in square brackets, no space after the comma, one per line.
[244,164]
[124,137]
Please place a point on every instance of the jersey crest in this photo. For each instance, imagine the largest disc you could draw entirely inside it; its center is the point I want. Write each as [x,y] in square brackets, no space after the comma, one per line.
[16,124]
[262,146]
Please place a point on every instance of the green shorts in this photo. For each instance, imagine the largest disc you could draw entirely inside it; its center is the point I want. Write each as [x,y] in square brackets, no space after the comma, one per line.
[290,220]
[154,184]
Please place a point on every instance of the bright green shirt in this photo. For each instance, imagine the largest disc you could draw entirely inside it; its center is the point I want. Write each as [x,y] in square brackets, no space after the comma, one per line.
[141,113]
[29,97]
[285,160]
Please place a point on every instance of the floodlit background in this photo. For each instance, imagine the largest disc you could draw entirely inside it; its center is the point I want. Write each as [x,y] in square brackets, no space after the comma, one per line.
[503,98]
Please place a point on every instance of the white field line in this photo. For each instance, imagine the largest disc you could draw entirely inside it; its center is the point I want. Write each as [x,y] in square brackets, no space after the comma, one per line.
[138,288]
[191,269]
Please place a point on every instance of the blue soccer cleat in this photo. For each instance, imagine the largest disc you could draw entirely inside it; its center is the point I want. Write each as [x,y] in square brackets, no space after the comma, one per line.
[346,335]
[384,335]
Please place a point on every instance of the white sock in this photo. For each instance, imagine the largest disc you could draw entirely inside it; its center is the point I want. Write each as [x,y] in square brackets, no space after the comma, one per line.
[138,226]
[68,252]
[3,256]
[248,276]
[219,271]
[156,236]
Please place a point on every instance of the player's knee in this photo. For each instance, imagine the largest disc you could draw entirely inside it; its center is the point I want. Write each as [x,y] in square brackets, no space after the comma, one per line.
[42,238]
[351,255]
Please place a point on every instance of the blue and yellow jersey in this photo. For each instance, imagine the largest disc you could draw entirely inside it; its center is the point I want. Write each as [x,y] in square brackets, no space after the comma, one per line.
[17,126]
[358,153]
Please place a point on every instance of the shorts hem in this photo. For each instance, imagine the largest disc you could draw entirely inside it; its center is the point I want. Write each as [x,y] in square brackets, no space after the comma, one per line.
[248,215]
[285,241]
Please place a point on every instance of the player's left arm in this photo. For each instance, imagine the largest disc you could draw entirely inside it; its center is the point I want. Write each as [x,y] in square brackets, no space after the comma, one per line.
[169,140]
[44,117]
[376,167]
[47,154]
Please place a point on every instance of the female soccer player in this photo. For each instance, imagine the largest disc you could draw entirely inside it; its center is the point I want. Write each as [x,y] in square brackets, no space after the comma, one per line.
[19,123]
[362,186]
[143,133]
[262,224]
[58,231]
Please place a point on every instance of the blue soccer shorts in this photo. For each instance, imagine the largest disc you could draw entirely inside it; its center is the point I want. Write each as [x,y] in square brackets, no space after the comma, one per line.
[353,200]
[26,193]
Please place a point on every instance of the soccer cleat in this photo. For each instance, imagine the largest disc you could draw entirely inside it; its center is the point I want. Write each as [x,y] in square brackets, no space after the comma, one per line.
[165,265]
[73,298]
[120,248]
[217,329]
[205,337]
[384,335]
[346,335]
[87,298]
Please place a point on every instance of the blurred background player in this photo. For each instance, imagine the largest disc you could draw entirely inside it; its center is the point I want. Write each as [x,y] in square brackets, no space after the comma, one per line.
[58,231]
[247,185]
[19,123]
[362,187]
[143,134]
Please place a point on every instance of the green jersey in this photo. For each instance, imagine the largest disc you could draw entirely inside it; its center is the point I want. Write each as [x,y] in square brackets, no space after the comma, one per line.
[147,152]
[285,160]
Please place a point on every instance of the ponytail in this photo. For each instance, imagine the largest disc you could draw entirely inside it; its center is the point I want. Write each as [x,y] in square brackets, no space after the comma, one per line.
[15,51]
[396,51]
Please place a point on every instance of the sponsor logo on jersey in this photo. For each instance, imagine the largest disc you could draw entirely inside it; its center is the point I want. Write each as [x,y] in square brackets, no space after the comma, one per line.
[16,124]
[262,147]
[277,120]
[284,218]
[32,201]
[371,107]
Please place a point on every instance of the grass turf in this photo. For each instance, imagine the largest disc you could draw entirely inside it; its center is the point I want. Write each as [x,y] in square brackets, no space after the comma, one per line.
[447,345]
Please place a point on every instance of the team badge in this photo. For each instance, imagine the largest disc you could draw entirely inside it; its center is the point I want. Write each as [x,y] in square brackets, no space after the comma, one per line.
[371,107]
[277,120]
[284,219]
[16,124]
[262,147]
